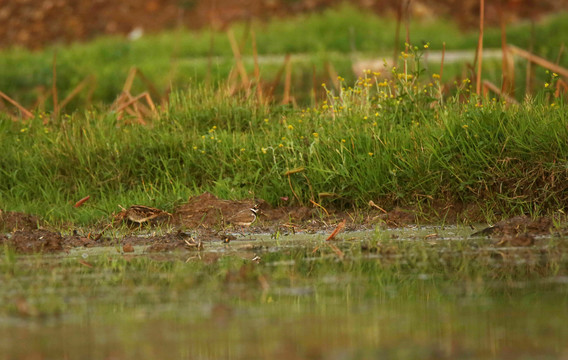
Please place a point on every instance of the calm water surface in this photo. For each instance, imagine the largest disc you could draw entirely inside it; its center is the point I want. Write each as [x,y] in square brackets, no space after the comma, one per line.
[413,293]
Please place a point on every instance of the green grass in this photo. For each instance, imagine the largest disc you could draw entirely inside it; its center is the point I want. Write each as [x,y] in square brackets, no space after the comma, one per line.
[450,298]
[391,141]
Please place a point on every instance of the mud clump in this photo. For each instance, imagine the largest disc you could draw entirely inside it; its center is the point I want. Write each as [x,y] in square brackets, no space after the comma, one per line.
[207,211]
[13,221]
[34,241]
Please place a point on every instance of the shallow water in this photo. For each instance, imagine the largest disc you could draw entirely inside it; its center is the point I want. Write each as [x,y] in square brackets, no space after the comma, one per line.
[411,293]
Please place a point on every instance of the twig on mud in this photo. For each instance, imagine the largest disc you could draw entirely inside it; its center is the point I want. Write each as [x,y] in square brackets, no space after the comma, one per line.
[338,228]
[321,207]
[292,188]
[372,203]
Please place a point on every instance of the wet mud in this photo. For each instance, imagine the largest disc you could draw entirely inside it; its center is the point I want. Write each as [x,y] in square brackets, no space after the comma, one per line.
[204,219]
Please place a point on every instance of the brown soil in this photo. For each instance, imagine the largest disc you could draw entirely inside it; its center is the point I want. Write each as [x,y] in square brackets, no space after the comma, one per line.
[13,221]
[35,241]
[203,219]
[36,23]
[206,211]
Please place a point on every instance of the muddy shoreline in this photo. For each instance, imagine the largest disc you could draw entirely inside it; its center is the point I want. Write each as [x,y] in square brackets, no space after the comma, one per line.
[204,218]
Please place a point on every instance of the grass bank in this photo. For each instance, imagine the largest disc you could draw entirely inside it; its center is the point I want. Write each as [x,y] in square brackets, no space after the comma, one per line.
[394,140]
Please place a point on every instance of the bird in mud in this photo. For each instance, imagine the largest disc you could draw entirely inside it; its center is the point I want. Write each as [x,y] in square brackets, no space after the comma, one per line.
[244,217]
[140,214]
[517,231]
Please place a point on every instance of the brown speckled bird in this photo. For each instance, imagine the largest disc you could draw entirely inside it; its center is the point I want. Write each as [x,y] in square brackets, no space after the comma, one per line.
[244,217]
[140,214]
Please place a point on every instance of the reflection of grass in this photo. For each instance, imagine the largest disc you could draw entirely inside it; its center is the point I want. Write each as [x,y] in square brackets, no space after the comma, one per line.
[391,139]
[452,297]
[164,57]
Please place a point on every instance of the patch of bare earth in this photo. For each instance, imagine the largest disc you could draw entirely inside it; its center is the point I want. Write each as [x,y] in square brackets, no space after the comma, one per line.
[205,218]
[34,241]
[12,221]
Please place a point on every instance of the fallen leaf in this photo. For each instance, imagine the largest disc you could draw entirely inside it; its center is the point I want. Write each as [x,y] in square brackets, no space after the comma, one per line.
[82,201]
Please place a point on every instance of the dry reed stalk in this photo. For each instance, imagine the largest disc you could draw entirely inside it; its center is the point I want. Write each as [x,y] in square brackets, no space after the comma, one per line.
[135,102]
[332,75]
[276,80]
[150,102]
[561,85]
[562,47]
[75,91]
[134,114]
[529,71]
[238,59]
[442,63]
[210,58]
[397,31]
[23,110]
[294,171]
[90,92]
[287,83]
[256,69]
[488,85]
[480,47]
[407,28]
[507,65]
[372,203]
[129,80]
[314,91]
[42,95]
[152,89]
[322,195]
[320,206]
[232,81]
[246,33]
[54,86]
[538,60]
[131,101]
[292,188]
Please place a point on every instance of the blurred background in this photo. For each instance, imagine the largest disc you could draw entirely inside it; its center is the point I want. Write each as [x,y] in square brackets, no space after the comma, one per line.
[89,52]
[36,23]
